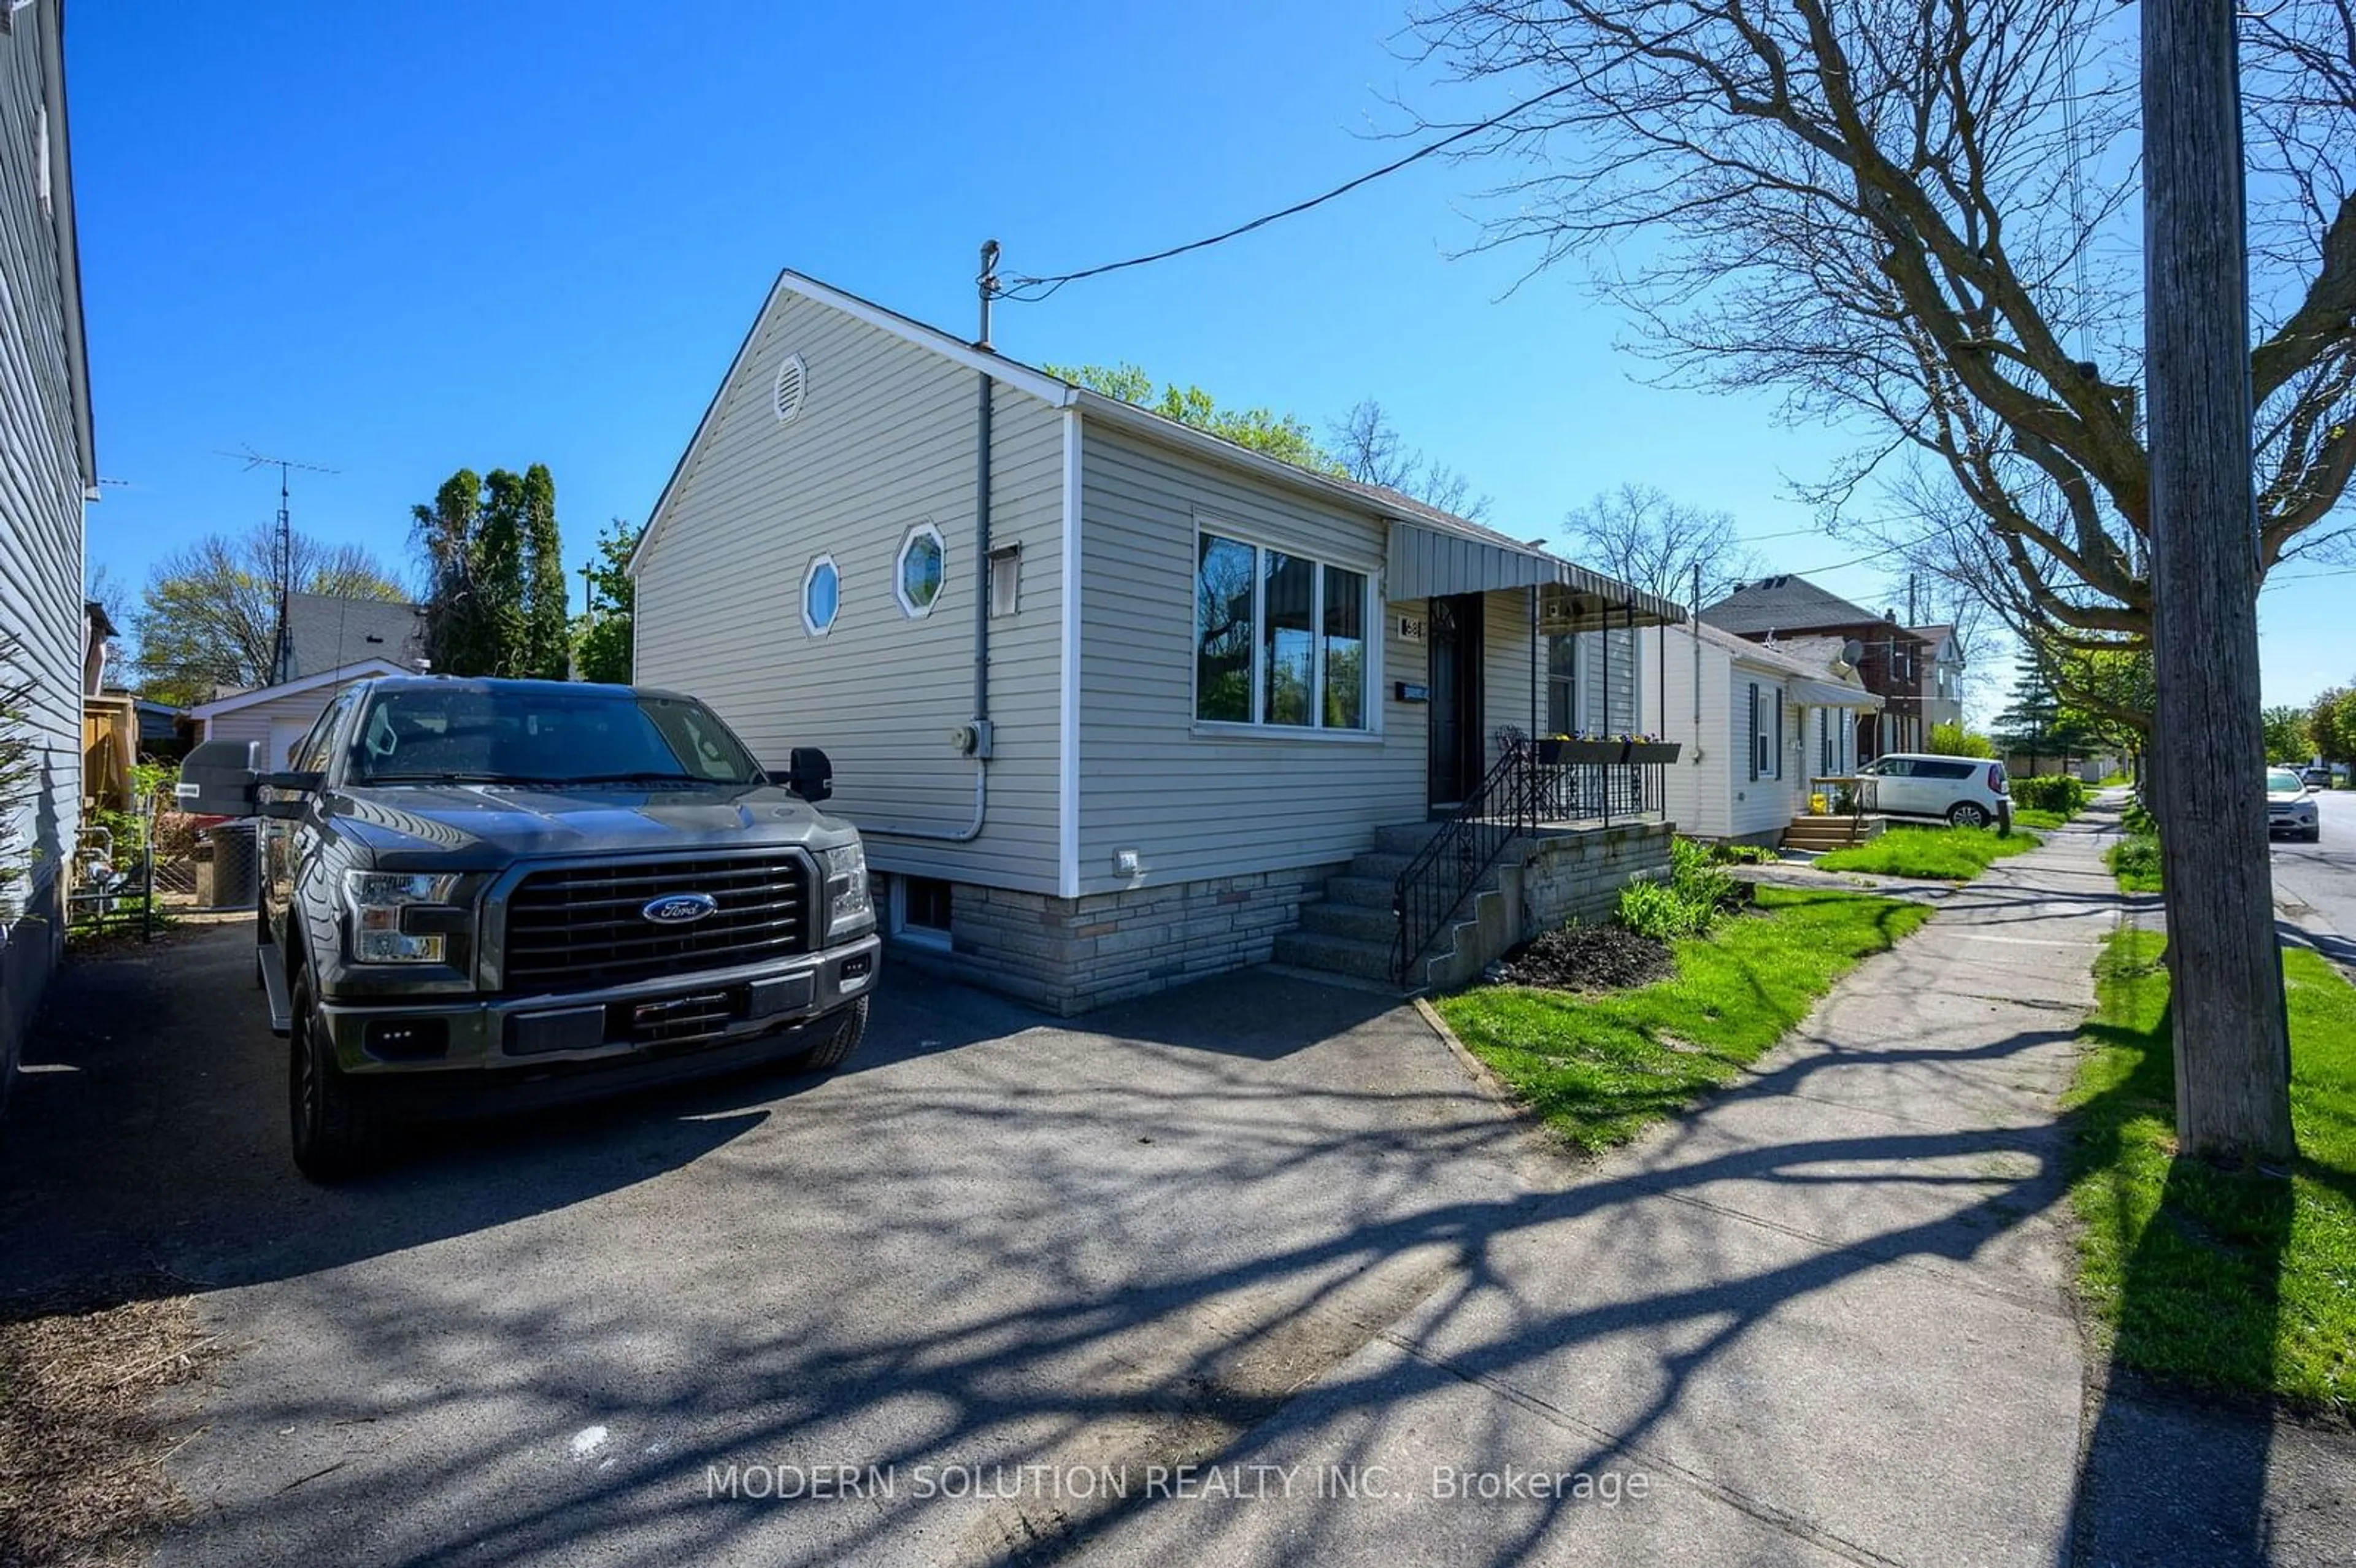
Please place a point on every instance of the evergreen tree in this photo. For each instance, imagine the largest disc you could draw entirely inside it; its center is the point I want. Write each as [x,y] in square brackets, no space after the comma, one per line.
[495,568]
[455,638]
[2036,723]
[546,602]
[499,575]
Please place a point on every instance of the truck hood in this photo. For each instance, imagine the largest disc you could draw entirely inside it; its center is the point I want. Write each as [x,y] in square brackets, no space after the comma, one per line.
[463,825]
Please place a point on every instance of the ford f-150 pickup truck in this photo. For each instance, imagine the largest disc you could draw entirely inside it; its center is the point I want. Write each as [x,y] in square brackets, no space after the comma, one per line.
[487,894]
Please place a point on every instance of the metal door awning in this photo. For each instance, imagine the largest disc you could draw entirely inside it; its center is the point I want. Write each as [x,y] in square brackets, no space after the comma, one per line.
[1428,562]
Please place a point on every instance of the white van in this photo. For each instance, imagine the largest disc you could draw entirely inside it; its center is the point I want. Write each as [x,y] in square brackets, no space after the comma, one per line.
[1967,791]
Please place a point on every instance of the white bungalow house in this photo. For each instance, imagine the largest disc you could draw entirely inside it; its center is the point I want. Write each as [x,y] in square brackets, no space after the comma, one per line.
[1112,699]
[1761,727]
[48,468]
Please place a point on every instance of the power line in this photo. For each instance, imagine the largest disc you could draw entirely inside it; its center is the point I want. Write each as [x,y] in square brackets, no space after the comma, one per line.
[1030,290]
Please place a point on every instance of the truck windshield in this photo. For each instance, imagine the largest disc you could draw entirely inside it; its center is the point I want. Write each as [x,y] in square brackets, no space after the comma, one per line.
[457,733]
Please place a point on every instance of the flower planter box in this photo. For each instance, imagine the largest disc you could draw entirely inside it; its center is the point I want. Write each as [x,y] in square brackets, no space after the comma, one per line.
[1655,751]
[1557,752]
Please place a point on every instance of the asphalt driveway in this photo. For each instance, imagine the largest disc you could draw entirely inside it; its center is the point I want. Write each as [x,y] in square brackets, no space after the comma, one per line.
[995,1241]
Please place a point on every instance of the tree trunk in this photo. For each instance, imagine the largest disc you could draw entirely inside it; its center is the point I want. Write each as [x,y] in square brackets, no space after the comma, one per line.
[2232,1042]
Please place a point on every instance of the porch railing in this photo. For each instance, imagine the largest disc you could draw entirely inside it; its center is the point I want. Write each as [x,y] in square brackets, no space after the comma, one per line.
[1470,841]
[1520,796]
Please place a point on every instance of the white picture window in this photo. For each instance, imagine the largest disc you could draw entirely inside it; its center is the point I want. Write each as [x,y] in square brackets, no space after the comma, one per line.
[1280,639]
[821,596]
[922,571]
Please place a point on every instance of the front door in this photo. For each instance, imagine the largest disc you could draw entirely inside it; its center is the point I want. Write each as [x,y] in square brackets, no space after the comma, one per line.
[1454,638]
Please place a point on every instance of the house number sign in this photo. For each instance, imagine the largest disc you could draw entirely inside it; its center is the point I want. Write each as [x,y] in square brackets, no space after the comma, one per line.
[1412,629]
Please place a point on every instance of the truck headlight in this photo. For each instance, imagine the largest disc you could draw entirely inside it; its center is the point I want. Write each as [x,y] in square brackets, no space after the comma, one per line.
[376,899]
[848,902]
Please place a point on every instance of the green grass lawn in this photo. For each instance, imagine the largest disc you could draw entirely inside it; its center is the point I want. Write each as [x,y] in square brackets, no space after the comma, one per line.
[2206,1277]
[2041,820]
[1600,1069]
[1953,854]
[2135,861]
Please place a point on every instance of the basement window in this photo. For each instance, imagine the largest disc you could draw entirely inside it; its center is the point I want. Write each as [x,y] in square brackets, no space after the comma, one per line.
[921,911]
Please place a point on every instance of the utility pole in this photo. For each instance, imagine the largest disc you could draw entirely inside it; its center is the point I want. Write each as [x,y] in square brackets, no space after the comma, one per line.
[2232,1039]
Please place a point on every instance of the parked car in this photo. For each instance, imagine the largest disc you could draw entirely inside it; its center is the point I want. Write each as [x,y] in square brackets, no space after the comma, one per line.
[483,894]
[1966,792]
[2315,775]
[2290,808]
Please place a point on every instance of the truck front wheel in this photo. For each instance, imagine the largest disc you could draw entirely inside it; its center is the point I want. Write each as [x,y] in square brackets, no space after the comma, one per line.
[333,1136]
[849,1026]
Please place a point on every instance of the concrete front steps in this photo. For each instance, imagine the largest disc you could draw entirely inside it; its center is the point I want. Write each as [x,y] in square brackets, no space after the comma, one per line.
[1352,932]
[1832,832]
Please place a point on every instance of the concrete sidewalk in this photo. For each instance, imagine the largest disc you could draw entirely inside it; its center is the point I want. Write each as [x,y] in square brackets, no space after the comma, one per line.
[1825,1319]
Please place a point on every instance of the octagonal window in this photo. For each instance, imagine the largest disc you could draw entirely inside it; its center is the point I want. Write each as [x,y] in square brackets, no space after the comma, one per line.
[821,596]
[924,565]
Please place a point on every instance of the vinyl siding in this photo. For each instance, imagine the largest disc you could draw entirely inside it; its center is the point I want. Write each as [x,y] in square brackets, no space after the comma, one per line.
[1197,802]
[40,515]
[884,441]
[1711,791]
[253,723]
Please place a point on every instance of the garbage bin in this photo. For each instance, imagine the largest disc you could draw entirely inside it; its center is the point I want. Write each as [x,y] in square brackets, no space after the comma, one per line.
[236,865]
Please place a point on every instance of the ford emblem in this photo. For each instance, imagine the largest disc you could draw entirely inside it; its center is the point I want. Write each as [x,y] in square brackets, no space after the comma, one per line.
[680,909]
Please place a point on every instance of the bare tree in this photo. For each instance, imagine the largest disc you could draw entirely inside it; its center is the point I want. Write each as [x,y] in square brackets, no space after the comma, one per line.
[207,616]
[1370,450]
[1915,217]
[1911,216]
[1641,535]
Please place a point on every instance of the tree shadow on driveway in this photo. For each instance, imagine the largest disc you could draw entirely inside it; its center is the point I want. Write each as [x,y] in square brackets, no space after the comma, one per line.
[1252,1220]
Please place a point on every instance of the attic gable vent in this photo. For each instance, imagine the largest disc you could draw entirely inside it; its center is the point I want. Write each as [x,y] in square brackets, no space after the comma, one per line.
[793,384]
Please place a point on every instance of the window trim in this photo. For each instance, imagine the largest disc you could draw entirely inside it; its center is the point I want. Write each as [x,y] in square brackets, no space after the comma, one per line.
[909,607]
[1372,622]
[809,575]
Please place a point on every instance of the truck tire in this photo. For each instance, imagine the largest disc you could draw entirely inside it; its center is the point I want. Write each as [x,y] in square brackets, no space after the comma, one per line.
[850,1027]
[333,1136]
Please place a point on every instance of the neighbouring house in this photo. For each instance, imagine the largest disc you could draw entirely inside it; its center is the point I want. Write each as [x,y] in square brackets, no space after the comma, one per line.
[1763,727]
[48,469]
[332,642]
[1893,661]
[161,733]
[1117,703]
[278,716]
[1942,683]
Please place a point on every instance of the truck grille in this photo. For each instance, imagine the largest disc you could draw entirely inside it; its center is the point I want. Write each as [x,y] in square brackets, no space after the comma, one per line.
[570,928]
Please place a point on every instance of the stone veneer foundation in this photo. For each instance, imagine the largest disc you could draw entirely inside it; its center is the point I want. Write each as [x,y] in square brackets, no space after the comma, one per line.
[1068,956]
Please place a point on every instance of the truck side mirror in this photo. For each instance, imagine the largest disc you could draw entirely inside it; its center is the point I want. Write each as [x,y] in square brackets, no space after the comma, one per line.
[218,779]
[808,775]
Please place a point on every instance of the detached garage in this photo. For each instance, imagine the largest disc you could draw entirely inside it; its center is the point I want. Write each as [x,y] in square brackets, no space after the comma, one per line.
[280,715]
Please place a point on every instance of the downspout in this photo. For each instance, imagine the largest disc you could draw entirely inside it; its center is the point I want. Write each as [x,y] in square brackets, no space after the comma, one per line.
[974,739]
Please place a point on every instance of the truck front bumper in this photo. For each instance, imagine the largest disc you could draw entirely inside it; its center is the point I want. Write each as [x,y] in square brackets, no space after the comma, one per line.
[482,1053]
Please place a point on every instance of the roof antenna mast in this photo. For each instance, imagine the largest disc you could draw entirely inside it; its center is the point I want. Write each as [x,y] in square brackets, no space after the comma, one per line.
[281,646]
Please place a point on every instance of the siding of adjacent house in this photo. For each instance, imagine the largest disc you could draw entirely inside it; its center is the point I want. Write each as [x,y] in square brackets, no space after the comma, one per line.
[885,440]
[41,480]
[295,712]
[1199,802]
[1710,791]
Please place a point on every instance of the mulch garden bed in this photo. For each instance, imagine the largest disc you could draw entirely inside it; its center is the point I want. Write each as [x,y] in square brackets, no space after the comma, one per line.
[1589,958]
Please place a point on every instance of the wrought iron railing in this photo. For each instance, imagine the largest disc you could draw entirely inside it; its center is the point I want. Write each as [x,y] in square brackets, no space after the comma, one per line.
[1444,873]
[1601,793]
[1519,796]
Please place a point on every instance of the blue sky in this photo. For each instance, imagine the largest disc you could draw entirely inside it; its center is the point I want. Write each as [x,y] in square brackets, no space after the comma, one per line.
[400,239]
